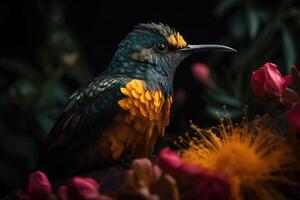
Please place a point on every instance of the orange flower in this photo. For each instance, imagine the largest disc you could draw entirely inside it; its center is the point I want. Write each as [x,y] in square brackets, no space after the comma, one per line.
[254,159]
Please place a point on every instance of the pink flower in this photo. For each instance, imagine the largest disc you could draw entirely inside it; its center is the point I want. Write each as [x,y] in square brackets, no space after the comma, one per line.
[294,119]
[268,83]
[201,72]
[192,170]
[38,187]
[80,188]
[207,185]
[172,164]
[169,161]
[213,186]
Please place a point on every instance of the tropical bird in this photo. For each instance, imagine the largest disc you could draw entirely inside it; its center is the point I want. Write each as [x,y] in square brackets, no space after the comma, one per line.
[125,109]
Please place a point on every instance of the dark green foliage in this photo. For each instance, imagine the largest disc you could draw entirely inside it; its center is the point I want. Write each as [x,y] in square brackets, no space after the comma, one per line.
[261,31]
[32,97]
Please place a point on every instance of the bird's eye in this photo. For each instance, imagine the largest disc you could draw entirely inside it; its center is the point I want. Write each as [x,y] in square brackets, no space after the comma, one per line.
[161,48]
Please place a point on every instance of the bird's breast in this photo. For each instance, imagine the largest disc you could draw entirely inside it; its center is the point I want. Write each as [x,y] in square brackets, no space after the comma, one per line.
[144,118]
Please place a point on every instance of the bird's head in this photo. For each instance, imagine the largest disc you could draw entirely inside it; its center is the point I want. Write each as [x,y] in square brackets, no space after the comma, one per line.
[153,51]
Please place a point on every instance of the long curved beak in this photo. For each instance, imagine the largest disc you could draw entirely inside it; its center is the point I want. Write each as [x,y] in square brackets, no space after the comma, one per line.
[207,47]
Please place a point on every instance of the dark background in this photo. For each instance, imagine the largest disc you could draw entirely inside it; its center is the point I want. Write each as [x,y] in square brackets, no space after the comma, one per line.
[50,48]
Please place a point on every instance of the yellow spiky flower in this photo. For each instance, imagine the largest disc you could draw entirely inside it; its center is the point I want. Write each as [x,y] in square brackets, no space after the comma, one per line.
[255,159]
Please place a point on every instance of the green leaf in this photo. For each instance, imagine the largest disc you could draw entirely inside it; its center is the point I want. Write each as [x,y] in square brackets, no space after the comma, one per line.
[61,94]
[289,49]
[80,73]
[19,67]
[237,26]
[253,22]
[262,42]
[224,99]
[45,124]
[224,6]
[48,90]
[25,92]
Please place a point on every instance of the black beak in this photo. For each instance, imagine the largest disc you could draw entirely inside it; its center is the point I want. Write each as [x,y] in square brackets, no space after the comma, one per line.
[207,47]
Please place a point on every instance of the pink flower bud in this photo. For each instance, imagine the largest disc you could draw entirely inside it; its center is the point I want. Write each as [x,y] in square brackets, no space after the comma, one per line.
[172,164]
[201,72]
[169,161]
[268,83]
[38,187]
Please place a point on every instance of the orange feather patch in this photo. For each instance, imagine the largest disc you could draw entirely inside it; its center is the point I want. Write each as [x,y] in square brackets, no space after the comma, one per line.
[143,122]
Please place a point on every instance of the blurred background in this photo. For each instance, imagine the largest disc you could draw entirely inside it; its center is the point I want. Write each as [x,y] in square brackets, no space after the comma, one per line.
[50,48]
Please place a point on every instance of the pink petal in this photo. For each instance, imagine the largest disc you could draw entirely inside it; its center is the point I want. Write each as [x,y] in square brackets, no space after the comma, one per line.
[215,186]
[21,195]
[168,160]
[288,80]
[257,81]
[83,189]
[274,81]
[63,192]
[38,186]
[294,118]
[268,83]
[193,170]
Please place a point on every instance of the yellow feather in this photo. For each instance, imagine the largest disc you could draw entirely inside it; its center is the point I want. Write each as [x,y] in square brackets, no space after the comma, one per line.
[152,106]
[134,83]
[136,103]
[150,130]
[125,92]
[157,100]
[143,111]
[133,111]
[135,94]
[140,87]
[122,103]
[151,115]
[117,149]
[148,95]
[181,41]
[172,40]
[148,114]
[160,94]
[143,98]
[156,96]
[148,103]
[129,86]
[157,109]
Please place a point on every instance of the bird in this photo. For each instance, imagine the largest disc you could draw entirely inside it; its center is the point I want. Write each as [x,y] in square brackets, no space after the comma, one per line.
[124,110]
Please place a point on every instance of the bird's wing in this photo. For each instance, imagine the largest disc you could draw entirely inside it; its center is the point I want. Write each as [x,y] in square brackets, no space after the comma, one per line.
[88,112]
